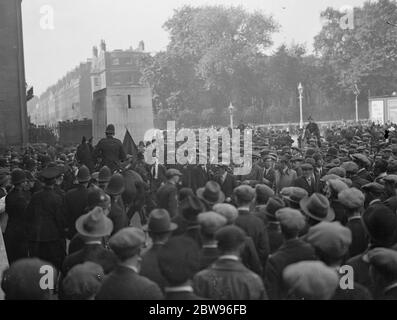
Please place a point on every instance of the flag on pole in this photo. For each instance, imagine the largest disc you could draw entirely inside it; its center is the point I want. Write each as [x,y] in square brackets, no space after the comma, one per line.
[129,145]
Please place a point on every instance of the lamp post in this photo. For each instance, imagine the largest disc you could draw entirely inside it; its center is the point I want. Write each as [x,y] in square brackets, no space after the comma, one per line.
[300,89]
[231,109]
[356,93]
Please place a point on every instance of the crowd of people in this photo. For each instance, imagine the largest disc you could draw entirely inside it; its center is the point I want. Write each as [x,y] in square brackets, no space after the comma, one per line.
[114,227]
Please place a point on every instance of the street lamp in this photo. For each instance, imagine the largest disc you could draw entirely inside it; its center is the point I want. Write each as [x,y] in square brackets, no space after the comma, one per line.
[231,109]
[356,93]
[300,89]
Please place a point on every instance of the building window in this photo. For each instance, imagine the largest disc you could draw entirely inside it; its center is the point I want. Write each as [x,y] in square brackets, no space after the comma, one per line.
[115,62]
[129,101]
[97,81]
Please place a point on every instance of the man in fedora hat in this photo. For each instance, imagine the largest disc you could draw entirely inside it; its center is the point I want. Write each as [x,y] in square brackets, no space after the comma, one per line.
[233,280]
[75,200]
[110,150]
[47,225]
[124,282]
[167,195]
[317,209]
[211,194]
[160,229]
[293,250]
[92,228]
[16,202]
[117,214]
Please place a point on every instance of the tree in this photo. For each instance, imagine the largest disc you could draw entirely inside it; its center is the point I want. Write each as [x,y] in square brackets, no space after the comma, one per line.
[366,54]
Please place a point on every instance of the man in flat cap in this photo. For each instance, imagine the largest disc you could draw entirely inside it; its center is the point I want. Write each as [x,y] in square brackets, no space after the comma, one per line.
[210,222]
[124,282]
[251,224]
[332,241]
[293,250]
[167,195]
[383,271]
[47,225]
[284,175]
[352,200]
[310,280]
[233,280]
[110,150]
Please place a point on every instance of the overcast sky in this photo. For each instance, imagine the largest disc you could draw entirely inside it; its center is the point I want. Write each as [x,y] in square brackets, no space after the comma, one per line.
[80,24]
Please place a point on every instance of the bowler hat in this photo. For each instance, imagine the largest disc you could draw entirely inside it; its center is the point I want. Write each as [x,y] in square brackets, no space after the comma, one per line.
[159,222]
[104,174]
[110,129]
[211,193]
[83,175]
[179,260]
[380,223]
[230,238]
[116,185]
[94,224]
[18,176]
[317,207]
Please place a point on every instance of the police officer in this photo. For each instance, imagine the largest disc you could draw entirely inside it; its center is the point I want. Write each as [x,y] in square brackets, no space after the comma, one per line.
[110,150]
[46,234]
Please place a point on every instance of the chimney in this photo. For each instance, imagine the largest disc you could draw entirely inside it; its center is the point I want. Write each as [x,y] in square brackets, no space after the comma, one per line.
[95,51]
[103,45]
[141,46]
